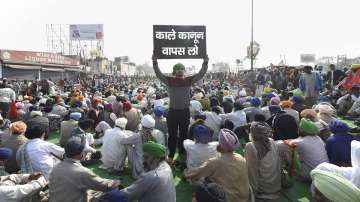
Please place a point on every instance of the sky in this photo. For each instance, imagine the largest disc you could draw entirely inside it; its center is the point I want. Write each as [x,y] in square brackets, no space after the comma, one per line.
[281,27]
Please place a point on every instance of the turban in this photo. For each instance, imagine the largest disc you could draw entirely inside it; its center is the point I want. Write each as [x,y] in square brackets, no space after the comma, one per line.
[202,134]
[326,109]
[228,140]
[355,66]
[19,105]
[198,96]
[18,127]
[324,98]
[154,149]
[35,113]
[242,93]
[81,98]
[275,100]
[108,107]
[114,196]
[335,187]
[267,90]
[5,153]
[58,99]
[274,108]
[127,106]
[260,133]
[159,111]
[140,97]
[75,145]
[255,102]
[298,92]
[95,102]
[148,121]
[306,113]
[308,127]
[75,116]
[339,127]
[121,122]
[286,104]
[113,116]
[178,66]
[296,99]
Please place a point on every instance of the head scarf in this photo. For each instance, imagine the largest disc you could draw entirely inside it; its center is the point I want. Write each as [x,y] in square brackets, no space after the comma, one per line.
[228,140]
[260,133]
[127,106]
[355,66]
[121,122]
[5,153]
[75,145]
[154,149]
[148,121]
[335,187]
[114,196]
[255,102]
[286,104]
[159,111]
[308,113]
[18,127]
[202,134]
[308,127]
[75,116]
[275,101]
[337,127]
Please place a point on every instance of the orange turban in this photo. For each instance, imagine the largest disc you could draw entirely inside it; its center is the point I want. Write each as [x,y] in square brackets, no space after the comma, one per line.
[286,104]
[308,113]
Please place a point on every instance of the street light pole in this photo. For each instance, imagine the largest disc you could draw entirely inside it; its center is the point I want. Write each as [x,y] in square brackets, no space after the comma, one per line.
[252,35]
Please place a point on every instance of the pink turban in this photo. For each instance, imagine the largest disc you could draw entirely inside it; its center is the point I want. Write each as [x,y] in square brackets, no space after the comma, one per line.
[275,101]
[326,109]
[228,140]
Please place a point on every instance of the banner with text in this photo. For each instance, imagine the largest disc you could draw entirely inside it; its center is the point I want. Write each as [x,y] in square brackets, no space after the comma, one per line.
[174,41]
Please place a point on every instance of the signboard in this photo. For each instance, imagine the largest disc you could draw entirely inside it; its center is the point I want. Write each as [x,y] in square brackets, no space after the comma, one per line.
[86,32]
[37,57]
[174,41]
[307,58]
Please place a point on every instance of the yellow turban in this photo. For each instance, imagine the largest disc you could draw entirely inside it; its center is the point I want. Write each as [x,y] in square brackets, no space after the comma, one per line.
[355,66]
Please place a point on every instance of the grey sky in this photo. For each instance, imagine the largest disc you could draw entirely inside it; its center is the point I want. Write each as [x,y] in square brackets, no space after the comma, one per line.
[290,27]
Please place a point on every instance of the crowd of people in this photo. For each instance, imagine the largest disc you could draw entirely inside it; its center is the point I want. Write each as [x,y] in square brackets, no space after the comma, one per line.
[234,137]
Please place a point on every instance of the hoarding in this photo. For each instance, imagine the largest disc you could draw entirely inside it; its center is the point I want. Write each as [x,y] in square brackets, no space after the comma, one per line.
[86,32]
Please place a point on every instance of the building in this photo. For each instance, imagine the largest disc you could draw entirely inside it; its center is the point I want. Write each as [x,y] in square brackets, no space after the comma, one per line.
[29,65]
[123,67]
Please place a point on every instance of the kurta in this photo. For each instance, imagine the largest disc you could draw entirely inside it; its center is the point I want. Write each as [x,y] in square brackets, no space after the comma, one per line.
[157,185]
[65,130]
[229,171]
[70,181]
[265,173]
[113,151]
[13,142]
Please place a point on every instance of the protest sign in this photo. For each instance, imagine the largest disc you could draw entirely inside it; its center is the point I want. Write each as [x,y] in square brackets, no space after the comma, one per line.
[174,41]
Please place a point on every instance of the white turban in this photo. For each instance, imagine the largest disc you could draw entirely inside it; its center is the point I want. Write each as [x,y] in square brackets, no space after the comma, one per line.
[121,122]
[148,121]
[113,117]
[35,113]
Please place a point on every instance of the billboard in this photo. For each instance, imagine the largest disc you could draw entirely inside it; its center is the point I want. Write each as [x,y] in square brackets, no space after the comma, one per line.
[307,58]
[37,57]
[86,32]
[174,41]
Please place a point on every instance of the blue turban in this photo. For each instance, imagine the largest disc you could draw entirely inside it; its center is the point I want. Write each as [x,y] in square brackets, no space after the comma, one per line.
[75,145]
[270,95]
[75,116]
[337,127]
[5,153]
[274,108]
[159,111]
[324,98]
[296,99]
[255,102]
[202,134]
[114,196]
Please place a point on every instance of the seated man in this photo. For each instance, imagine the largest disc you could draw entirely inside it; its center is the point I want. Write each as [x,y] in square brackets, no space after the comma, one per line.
[37,155]
[253,109]
[228,170]
[113,150]
[67,126]
[201,149]
[18,187]
[338,145]
[85,129]
[263,162]
[349,104]
[157,183]
[310,147]
[70,181]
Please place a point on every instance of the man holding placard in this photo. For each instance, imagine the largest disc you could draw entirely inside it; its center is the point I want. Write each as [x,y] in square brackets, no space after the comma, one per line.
[172,37]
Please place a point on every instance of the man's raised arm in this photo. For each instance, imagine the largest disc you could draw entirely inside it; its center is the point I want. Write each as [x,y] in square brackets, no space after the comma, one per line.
[202,71]
[157,71]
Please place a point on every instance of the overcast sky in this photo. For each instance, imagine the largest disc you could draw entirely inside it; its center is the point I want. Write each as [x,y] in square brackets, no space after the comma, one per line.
[282,27]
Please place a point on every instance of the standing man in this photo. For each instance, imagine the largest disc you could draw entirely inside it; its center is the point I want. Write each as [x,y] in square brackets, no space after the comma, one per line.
[311,84]
[334,76]
[7,95]
[178,118]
